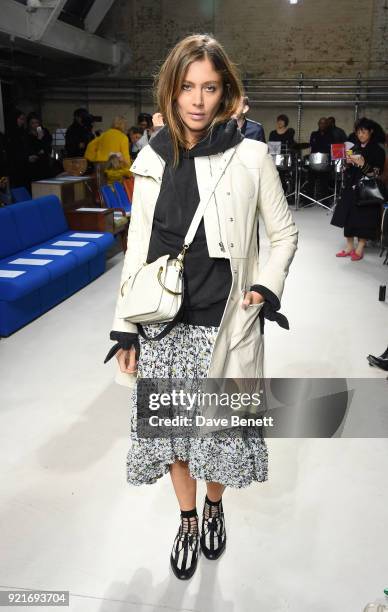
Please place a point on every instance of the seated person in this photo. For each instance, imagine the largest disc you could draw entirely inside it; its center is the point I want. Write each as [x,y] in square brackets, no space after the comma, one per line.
[116,169]
[338,136]
[283,133]
[320,140]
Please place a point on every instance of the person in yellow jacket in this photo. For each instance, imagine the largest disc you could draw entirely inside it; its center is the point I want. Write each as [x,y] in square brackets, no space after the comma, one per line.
[114,140]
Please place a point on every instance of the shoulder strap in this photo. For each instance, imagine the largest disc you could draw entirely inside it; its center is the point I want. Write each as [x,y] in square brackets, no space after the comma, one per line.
[227,156]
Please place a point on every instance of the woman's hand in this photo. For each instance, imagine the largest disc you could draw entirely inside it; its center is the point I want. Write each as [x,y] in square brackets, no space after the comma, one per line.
[356,160]
[251,298]
[127,360]
[157,120]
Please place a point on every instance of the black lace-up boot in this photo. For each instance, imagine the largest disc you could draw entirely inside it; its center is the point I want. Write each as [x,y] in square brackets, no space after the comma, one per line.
[379,362]
[213,534]
[184,554]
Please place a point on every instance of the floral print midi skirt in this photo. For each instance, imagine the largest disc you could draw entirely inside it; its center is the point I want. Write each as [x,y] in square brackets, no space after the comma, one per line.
[232,460]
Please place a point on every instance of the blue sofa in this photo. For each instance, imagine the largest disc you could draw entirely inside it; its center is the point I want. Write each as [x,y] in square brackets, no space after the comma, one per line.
[42,262]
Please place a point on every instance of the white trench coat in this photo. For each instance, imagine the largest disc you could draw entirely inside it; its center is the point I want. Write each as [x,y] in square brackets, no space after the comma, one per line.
[250,186]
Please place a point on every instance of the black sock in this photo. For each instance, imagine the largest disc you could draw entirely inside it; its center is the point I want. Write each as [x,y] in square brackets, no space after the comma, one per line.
[212,508]
[189,513]
[213,503]
[189,521]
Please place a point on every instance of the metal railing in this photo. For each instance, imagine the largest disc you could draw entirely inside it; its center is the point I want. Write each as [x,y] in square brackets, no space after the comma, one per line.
[301,92]
[261,91]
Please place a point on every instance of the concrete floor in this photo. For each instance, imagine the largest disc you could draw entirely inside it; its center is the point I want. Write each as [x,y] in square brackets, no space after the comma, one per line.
[314,537]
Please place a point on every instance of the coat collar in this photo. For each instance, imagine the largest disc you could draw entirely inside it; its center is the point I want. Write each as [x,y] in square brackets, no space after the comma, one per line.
[149,163]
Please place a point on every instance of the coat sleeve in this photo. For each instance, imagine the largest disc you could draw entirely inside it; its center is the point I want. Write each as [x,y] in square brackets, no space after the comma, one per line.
[279,226]
[131,258]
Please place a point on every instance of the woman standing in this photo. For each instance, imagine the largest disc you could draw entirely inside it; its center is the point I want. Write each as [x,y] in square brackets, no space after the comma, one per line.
[362,222]
[17,150]
[38,149]
[283,133]
[134,135]
[219,336]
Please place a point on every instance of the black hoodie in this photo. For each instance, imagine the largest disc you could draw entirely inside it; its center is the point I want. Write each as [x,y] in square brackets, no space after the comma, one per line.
[207,280]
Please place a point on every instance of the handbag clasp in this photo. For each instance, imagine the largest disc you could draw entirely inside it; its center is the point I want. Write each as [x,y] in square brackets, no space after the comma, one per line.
[164,286]
[122,287]
[182,254]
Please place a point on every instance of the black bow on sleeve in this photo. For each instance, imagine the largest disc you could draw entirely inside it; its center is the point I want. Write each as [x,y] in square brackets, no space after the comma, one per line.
[270,308]
[125,341]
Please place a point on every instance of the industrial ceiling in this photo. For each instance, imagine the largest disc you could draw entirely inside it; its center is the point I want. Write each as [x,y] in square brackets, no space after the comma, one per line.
[43,38]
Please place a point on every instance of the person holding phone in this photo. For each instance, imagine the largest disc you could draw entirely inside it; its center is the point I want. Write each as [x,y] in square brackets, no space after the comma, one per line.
[220,333]
[361,222]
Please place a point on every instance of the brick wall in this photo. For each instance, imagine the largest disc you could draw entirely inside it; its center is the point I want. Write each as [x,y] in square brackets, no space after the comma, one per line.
[268,38]
[265,37]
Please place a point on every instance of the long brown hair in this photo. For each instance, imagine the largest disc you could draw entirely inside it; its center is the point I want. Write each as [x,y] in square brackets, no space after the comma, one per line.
[169,79]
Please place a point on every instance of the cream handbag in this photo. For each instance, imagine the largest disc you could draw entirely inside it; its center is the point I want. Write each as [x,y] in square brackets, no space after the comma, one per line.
[154,293]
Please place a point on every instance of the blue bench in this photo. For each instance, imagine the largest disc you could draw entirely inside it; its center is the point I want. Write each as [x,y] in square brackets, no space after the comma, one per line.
[42,262]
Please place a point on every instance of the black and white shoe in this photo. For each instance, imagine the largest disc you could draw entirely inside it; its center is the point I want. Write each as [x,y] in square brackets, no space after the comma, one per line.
[185,550]
[213,534]
[379,362]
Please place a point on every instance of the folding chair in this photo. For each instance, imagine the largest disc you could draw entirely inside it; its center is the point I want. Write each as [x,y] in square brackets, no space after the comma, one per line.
[129,184]
[20,194]
[120,219]
[122,197]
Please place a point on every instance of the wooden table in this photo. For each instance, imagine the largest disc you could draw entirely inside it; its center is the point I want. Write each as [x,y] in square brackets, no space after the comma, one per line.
[92,219]
[96,220]
[73,192]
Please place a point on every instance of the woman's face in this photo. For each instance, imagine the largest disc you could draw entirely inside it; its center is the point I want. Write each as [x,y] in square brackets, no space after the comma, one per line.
[200,96]
[134,137]
[280,124]
[34,123]
[363,135]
